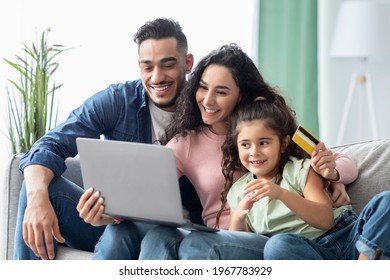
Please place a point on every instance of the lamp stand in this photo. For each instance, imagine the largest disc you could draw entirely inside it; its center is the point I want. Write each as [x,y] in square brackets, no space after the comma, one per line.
[364,82]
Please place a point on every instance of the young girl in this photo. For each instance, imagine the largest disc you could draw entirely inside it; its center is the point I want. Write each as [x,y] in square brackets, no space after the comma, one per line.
[281,196]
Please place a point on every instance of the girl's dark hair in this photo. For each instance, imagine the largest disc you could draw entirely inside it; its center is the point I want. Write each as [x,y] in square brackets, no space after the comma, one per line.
[245,73]
[162,28]
[277,116]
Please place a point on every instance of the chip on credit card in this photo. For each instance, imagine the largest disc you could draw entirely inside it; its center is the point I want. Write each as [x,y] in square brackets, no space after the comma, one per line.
[304,139]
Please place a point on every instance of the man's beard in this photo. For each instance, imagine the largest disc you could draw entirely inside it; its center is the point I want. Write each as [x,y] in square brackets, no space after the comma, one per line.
[169,104]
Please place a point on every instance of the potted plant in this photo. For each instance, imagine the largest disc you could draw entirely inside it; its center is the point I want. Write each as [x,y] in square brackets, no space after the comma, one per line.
[32,102]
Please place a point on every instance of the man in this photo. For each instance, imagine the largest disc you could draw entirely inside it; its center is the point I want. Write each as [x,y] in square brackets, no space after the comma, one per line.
[136,111]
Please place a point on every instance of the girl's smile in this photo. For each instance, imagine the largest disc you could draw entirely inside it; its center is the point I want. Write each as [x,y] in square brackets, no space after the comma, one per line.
[259,148]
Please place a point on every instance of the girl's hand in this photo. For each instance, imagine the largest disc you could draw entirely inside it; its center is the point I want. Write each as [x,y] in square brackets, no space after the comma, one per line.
[238,217]
[323,162]
[260,188]
[243,208]
[91,208]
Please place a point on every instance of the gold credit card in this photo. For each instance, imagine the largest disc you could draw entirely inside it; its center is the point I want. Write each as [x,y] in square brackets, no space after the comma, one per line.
[304,139]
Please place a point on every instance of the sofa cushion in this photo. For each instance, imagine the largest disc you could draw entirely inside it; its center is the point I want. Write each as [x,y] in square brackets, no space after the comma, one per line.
[73,171]
[372,159]
[65,253]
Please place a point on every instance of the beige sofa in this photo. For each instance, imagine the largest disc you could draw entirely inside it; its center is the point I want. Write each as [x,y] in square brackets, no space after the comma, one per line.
[372,158]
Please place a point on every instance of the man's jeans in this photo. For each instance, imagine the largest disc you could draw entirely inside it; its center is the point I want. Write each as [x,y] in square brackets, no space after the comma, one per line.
[64,196]
[122,241]
[351,235]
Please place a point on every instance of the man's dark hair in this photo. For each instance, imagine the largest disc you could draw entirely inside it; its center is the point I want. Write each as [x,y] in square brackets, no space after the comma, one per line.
[162,28]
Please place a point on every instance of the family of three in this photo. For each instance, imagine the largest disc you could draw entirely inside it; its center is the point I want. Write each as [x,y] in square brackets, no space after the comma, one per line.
[231,136]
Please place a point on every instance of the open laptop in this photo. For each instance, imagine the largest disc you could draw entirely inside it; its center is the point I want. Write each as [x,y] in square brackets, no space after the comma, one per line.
[138,181]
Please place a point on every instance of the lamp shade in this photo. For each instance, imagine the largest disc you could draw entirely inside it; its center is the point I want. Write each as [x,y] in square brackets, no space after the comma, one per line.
[362,30]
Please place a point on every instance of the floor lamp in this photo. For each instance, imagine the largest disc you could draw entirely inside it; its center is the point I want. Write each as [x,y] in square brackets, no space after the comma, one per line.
[360,29]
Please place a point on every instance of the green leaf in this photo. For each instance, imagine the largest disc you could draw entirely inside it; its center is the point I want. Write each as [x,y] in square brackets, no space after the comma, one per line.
[32,106]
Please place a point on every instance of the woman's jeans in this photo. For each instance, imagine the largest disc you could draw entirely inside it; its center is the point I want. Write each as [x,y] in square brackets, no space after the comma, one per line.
[351,235]
[171,243]
[64,196]
[368,233]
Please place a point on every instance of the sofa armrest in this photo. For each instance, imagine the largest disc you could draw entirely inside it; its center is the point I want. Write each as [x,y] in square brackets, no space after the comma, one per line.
[9,195]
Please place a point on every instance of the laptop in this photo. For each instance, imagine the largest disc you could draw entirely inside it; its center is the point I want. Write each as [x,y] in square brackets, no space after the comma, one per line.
[137,181]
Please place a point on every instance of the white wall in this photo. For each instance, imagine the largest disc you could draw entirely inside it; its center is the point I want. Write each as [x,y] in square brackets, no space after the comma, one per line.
[102,34]
[334,79]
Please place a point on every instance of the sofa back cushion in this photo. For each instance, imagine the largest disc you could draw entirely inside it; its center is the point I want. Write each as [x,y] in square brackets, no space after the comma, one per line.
[373,161]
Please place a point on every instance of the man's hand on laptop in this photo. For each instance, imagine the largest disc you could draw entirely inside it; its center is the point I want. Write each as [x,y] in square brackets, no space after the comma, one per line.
[91,209]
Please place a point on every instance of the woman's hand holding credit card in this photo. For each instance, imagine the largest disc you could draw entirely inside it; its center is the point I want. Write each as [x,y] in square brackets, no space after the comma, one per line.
[304,139]
[323,160]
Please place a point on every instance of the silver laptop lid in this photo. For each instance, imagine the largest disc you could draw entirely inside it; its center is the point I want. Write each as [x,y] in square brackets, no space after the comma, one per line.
[138,181]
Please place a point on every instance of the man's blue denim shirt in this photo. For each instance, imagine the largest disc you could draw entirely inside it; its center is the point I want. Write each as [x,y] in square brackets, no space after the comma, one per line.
[119,112]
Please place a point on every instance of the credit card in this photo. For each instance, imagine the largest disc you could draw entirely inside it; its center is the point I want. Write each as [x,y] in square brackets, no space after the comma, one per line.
[304,139]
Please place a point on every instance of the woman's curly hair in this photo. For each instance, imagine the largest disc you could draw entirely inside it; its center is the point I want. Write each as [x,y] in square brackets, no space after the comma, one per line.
[245,73]
[188,117]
